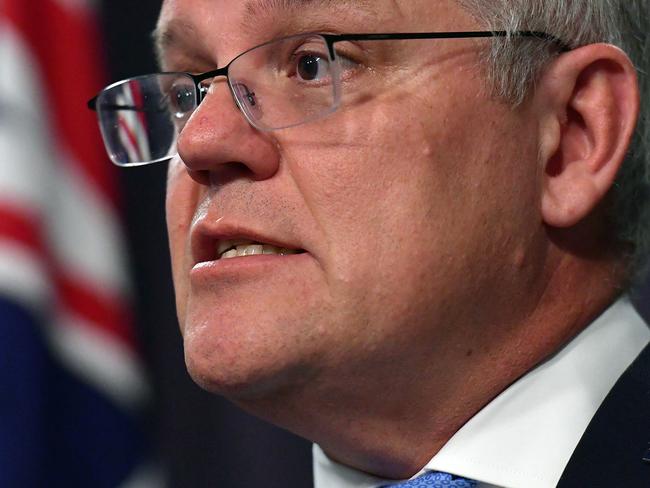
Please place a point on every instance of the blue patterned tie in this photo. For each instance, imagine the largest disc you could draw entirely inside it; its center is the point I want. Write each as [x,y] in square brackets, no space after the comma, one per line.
[434,479]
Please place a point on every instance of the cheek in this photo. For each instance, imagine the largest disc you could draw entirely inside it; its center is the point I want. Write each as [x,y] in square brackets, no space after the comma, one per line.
[372,195]
[385,175]
[410,203]
[181,203]
[178,204]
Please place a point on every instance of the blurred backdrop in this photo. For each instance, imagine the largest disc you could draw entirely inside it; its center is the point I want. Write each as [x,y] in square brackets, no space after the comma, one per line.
[93,388]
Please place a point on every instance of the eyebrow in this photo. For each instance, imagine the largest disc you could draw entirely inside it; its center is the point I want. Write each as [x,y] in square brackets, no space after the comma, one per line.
[177,31]
[170,34]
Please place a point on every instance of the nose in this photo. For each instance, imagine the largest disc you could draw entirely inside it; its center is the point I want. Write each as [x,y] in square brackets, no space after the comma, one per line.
[217,138]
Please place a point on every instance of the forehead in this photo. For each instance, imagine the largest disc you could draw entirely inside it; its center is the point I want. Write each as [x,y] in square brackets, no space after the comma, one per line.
[191,23]
[253,10]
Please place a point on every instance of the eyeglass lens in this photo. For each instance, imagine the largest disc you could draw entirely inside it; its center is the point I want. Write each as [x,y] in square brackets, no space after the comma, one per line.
[277,85]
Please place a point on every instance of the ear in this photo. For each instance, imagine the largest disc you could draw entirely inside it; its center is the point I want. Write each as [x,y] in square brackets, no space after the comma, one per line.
[589,98]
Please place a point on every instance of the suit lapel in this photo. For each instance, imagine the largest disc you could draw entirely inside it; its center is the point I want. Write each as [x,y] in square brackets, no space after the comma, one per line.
[611,451]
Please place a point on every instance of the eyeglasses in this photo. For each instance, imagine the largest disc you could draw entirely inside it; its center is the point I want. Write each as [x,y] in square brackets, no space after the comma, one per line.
[276,85]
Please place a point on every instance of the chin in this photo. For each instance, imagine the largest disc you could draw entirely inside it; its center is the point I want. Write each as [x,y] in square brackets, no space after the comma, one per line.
[243,374]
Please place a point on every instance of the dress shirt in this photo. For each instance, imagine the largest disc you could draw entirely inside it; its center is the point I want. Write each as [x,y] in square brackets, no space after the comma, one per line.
[524,438]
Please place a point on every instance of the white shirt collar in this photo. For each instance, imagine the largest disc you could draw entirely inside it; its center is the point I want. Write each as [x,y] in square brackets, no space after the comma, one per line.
[526,435]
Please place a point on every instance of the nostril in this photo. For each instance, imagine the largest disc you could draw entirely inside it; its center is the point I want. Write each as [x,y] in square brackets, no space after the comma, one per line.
[228,172]
[201,176]
[221,174]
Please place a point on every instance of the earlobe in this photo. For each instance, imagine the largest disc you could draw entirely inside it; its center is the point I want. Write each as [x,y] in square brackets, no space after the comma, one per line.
[591,105]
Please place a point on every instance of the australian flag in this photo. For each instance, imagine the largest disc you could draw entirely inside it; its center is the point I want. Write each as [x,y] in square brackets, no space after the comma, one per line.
[71,384]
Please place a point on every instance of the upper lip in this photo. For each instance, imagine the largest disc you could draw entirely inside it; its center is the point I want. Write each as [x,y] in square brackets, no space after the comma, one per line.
[205,238]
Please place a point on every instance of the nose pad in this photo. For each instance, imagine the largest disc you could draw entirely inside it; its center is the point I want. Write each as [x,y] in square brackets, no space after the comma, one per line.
[242,92]
[248,102]
[203,91]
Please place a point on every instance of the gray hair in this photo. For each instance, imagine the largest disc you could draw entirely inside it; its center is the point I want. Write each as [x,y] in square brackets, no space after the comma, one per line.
[515,64]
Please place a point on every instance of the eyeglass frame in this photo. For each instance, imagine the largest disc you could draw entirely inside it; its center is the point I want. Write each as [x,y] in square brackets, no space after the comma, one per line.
[331,40]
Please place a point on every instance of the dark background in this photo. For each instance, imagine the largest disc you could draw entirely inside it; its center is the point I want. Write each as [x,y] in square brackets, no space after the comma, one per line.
[201,440]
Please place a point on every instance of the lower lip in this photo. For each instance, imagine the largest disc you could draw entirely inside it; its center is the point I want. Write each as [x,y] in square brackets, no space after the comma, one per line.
[243,266]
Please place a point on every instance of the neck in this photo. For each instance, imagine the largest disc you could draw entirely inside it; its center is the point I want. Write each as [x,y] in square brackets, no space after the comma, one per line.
[393,422]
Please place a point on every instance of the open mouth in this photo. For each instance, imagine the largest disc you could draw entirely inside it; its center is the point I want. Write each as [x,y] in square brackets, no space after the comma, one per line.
[242,248]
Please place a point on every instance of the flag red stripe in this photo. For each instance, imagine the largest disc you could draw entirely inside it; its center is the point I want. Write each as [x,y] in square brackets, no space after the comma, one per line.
[68,52]
[131,136]
[21,228]
[138,100]
[104,312]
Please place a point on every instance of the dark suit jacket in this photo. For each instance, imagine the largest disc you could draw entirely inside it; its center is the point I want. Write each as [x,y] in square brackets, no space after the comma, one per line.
[611,451]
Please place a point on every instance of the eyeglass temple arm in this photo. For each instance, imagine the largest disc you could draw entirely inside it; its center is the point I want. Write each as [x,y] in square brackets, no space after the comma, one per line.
[446,35]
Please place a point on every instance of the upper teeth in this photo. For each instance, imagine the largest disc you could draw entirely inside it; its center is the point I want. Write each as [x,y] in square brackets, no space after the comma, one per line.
[233,249]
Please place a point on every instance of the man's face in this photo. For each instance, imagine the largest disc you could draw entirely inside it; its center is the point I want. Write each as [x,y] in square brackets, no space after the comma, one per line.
[413,206]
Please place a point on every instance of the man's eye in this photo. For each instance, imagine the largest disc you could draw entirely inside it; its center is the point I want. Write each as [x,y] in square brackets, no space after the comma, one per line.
[181,99]
[312,67]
